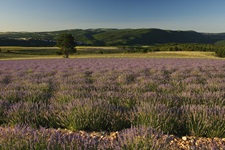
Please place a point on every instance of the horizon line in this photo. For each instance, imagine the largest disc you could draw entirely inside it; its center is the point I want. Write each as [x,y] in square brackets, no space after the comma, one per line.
[57,30]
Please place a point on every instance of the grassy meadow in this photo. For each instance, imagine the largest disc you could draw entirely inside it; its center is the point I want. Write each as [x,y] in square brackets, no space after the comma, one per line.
[15,52]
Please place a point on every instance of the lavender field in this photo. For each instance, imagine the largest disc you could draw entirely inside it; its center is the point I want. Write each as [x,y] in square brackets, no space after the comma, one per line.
[142,99]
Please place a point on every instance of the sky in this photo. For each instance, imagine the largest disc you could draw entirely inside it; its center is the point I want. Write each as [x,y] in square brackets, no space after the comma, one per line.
[50,15]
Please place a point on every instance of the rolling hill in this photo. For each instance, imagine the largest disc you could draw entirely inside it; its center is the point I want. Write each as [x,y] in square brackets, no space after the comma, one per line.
[110,37]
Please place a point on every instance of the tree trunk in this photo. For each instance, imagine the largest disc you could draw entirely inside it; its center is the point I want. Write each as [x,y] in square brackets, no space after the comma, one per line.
[66,53]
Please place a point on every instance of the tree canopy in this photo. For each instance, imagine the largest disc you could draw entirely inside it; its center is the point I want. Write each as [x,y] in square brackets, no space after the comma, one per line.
[67,44]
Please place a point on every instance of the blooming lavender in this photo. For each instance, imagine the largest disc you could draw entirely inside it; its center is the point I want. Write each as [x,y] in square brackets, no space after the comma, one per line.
[174,96]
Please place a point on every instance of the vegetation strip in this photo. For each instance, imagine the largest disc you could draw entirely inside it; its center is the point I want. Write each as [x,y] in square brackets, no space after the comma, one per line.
[161,51]
[102,140]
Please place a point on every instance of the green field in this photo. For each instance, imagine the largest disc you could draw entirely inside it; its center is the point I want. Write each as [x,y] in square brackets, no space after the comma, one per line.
[12,52]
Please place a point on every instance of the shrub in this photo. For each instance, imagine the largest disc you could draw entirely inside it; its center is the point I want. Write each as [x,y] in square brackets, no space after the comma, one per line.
[101,52]
[59,53]
[220,52]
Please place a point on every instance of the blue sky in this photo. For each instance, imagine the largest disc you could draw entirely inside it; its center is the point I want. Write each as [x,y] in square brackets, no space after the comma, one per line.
[50,15]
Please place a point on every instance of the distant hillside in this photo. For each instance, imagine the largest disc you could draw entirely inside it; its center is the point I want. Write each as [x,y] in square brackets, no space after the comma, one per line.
[151,36]
[110,37]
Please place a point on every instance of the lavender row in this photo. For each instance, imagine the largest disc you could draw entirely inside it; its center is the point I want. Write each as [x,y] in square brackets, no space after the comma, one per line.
[142,137]
[178,96]
[51,139]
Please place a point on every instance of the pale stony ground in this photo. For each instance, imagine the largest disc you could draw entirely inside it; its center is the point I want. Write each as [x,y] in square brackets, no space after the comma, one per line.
[175,142]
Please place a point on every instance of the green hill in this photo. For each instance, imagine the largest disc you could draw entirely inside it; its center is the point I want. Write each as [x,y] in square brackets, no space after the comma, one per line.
[110,37]
[151,36]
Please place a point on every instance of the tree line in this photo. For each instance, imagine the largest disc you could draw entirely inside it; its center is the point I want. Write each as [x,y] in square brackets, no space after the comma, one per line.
[218,49]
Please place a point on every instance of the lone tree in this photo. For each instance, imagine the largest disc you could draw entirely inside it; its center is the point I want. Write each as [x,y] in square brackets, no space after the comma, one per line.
[67,44]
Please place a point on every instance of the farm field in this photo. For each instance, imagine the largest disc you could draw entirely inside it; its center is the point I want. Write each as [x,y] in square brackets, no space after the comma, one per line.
[130,103]
[15,52]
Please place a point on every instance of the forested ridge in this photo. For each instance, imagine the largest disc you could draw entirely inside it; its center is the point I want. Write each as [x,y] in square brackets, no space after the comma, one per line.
[111,37]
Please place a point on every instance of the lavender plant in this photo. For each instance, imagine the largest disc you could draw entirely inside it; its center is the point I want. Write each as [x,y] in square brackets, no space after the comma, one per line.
[90,115]
[25,113]
[4,105]
[142,137]
[158,116]
[205,121]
